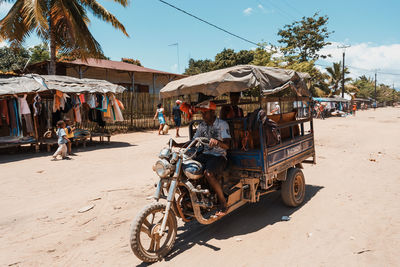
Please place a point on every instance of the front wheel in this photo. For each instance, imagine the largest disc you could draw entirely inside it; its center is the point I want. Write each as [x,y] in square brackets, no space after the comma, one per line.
[146,242]
[293,188]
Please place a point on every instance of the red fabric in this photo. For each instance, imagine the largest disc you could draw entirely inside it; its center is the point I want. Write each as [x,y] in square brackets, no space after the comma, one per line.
[82,98]
[187,109]
[4,111]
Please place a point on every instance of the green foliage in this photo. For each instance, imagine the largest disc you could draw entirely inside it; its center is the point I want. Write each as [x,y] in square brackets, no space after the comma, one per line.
[199,66]
[305,38]
[226,58]
[131,61]
[13,58]
[39,53]
[63,24]
[366,87]
[336,76]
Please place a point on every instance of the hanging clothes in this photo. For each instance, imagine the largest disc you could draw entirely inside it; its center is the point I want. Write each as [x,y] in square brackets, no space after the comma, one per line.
[117,111]
[91,101]
[24,107]
[77,114]
[28,122]
[26,113]
[4,112]
[82,98]
[37,105]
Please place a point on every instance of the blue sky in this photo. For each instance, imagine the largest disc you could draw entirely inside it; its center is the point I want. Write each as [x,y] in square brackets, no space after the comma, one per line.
[370,27]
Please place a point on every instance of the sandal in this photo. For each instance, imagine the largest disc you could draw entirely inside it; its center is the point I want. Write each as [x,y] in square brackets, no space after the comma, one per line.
[222,212]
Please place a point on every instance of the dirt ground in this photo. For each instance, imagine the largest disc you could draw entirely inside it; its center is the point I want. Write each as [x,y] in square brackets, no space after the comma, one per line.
[351,215]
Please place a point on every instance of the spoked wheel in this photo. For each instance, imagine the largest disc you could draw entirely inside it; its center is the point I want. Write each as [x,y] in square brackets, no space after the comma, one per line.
[146,242]
[294,188]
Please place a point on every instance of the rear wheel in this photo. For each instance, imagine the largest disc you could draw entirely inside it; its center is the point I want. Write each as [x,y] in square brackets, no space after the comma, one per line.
[146,242]
[293,188]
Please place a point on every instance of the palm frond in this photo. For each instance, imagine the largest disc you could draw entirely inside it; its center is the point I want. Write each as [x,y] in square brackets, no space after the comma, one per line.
[101,13]
[13,27]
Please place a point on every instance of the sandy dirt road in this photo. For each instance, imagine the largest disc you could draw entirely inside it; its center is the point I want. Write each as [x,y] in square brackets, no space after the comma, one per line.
[351,216]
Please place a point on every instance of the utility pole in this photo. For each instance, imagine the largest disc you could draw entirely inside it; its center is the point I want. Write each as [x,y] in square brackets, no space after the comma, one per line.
[344,55]
[376,103]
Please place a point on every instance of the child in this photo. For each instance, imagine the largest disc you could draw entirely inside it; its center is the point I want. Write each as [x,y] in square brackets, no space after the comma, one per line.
[62,141]
[69,131]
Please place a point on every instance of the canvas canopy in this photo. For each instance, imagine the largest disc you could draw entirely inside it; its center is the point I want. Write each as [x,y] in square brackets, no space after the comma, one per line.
[236,79]
[33,83]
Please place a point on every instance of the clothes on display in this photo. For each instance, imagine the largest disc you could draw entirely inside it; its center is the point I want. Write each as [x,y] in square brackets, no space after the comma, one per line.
[16,113]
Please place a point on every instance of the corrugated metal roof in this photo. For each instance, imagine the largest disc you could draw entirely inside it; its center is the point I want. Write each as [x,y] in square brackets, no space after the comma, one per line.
[116,65]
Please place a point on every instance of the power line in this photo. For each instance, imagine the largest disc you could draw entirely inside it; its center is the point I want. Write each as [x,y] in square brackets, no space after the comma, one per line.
[211,24]
[285,14]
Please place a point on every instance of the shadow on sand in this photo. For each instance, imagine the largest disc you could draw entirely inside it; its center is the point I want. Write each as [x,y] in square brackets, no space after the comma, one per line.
[247,219]
[26,152]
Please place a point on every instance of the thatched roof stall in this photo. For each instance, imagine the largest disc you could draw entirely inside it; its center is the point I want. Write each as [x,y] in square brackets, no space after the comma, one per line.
[32,104]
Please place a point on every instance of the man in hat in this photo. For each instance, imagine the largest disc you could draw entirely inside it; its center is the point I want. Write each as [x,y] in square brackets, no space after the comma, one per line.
[177,113]
[213,157]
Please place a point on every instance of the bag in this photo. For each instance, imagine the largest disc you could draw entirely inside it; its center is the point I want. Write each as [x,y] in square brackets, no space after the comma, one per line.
[166,128]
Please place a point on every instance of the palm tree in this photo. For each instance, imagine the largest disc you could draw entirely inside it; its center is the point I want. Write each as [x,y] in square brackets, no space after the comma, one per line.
[62,23]
[336,75]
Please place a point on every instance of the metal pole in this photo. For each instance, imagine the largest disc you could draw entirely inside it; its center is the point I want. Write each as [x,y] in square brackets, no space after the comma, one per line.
[343,76]
[177,53]
[344,50]
[376,103]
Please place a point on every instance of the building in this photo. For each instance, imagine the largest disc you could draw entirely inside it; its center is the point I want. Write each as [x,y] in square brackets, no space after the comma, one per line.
[134,78]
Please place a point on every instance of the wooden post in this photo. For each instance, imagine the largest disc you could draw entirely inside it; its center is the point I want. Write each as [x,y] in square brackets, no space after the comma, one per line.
[35,123]
[131,96]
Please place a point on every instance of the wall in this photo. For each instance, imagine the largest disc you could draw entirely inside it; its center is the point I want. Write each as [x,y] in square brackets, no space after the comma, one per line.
[123,78]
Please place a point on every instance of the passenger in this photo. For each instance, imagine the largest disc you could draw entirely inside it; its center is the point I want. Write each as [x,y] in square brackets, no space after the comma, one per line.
[232,111]
[277,109]
[213,157]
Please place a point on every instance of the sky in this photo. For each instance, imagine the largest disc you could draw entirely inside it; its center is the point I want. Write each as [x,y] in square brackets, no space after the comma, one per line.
[369,27]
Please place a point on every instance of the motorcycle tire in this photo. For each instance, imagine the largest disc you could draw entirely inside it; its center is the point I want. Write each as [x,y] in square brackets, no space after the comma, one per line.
[142,225]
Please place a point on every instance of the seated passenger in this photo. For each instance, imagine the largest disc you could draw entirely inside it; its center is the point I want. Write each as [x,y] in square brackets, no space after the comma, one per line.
[213,157]
[232,111]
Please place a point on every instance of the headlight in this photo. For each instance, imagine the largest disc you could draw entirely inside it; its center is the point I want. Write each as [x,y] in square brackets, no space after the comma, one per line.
[162,168]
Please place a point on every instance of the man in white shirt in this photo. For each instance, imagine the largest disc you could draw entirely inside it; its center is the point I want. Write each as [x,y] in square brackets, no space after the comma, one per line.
[213,157]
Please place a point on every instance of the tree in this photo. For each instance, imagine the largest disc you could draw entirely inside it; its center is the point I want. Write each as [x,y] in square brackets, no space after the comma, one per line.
[199,66]
[61,23]
[305,38]
[261,57]
[335,76]
[224,59]
[366,87]
[39,53]
[131,61]
[14,58]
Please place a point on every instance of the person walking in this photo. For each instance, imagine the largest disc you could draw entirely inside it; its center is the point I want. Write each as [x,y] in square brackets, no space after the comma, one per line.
[160,115]
[177,113]
[62,141]
[354,109]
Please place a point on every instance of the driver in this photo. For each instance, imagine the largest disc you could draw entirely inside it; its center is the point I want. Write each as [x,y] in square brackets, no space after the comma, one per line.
[213,157]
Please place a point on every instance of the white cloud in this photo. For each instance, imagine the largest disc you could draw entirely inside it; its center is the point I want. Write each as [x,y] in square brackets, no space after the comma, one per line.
[365,58]
[248,11]
[260,6]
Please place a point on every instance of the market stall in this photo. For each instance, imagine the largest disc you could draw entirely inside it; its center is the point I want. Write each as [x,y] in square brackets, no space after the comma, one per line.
[31,105]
